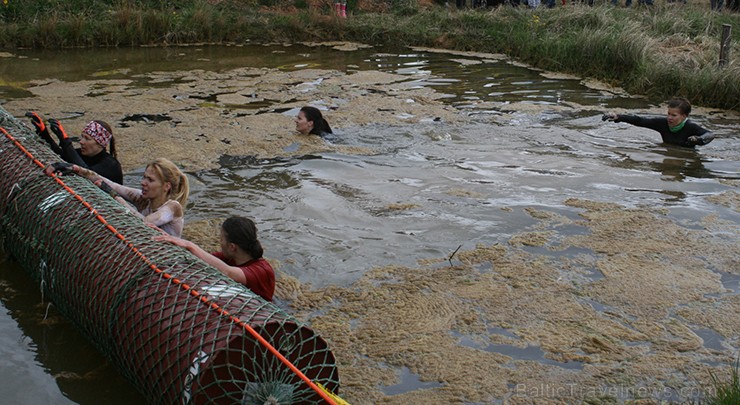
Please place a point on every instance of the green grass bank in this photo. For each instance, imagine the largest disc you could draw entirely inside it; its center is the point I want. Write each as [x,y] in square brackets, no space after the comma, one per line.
[665,50]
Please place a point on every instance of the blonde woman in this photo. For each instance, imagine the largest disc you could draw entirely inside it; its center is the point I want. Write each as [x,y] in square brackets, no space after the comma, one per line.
[161,199]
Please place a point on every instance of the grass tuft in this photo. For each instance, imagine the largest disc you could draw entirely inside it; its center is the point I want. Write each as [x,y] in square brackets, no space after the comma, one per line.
[726,393]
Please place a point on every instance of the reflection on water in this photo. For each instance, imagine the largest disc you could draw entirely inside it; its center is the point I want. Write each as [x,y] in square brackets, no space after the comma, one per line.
[426,189]
[489,80]
[517,353]
[673,162]
[409,382]
[712,340]
[45,359]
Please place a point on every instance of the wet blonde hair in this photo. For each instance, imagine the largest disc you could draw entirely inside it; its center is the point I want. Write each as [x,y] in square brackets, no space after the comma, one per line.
[170,173]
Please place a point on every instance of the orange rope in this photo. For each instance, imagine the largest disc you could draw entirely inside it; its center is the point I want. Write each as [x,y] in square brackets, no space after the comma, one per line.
[168,276]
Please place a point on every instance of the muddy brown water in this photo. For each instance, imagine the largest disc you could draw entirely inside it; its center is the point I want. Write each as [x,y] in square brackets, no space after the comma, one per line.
[473,233]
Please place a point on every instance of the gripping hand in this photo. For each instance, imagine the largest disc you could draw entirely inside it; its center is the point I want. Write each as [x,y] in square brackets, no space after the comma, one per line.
[58,130]
[609,117]
[37,122]
[59,167]
[63,167]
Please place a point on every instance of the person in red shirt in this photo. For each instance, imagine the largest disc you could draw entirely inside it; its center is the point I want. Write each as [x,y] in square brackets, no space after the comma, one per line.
[240,257]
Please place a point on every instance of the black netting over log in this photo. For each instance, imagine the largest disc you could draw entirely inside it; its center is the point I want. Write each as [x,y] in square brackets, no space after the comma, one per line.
[175,327]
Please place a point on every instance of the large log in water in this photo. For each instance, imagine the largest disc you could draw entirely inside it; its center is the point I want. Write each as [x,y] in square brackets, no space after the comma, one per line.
[175,327]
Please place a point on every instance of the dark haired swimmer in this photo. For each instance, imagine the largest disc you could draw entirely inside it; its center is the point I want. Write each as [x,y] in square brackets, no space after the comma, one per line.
[240,257]
[310,121]
[675,129]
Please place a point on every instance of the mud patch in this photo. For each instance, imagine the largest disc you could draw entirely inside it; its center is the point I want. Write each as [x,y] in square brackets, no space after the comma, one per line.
[401,207]
[439,321]
[595,341]
[469,54]
[220,127]
[339,45]
[730,199]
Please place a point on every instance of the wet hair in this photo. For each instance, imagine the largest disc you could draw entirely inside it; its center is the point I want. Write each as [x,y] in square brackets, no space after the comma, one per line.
[682,104]
[243,232]
[112,142]
[319,123]
[170,173]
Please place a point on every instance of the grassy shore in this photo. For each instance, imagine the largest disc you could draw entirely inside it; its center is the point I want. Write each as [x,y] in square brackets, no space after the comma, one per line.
[660,51]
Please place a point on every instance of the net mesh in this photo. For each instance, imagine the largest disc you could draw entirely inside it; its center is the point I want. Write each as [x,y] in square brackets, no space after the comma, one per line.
[175,327]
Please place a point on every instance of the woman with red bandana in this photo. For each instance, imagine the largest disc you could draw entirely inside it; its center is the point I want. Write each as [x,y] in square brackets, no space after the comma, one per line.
[92,154]
[675,128]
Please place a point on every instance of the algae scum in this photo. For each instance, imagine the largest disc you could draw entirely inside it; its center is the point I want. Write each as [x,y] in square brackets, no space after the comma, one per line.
[473,234]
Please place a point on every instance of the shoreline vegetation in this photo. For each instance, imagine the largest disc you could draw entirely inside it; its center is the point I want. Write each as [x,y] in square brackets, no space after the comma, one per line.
[659,51]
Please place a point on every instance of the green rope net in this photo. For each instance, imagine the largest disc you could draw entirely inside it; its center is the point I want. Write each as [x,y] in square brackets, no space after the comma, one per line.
[175,327]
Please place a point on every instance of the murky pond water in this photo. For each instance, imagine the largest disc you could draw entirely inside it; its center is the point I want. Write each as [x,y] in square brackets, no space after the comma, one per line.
[422,190]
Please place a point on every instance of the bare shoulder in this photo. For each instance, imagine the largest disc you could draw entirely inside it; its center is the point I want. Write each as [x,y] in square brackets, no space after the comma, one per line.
[175,207]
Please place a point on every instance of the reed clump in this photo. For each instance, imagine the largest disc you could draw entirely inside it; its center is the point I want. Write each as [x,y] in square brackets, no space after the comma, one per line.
[726,392]
[662,51]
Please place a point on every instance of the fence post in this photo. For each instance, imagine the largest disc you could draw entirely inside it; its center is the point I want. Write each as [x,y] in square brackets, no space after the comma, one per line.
[724,46]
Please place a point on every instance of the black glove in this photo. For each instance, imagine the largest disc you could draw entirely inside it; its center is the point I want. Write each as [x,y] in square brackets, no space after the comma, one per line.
[608,117]
[59,168]
[62,167]
[106,188]
[37,122]
[58,129]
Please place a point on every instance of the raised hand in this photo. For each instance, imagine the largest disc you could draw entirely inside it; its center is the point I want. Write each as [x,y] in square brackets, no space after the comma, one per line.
[37,122]
[58,129]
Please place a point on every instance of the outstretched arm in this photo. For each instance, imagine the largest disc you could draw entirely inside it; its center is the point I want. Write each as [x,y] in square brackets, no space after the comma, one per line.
[128,193]
[234,273]
[654,123]
[116,190]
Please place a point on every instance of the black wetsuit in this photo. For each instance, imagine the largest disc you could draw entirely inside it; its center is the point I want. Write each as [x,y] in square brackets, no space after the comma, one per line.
[103,163]
[680,138]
